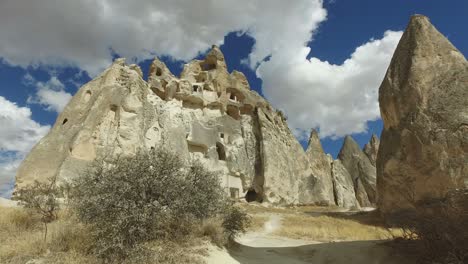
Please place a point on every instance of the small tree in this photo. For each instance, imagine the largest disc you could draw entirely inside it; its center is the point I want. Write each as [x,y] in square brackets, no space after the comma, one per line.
[42,198]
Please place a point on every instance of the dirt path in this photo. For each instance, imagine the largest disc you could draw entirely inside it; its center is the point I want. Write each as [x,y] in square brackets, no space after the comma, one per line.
[262,247]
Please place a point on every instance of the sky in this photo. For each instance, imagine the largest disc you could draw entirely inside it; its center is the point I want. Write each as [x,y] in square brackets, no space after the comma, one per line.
[320,62]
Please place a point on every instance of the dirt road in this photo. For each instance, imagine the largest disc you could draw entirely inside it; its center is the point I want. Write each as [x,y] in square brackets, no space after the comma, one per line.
[262,247]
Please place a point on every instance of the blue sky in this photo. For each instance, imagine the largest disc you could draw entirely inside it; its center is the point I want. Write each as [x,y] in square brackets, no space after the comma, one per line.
[327,79]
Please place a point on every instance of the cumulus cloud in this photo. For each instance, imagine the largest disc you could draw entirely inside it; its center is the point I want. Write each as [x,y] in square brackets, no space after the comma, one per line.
[18,134]
[50,94]
[339,99]
[83,33]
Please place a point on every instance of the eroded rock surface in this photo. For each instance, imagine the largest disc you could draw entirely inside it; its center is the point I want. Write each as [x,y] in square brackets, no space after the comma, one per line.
[319,188]
[361,170]
[424,106]
[372,148]
[208,114]
[343,185]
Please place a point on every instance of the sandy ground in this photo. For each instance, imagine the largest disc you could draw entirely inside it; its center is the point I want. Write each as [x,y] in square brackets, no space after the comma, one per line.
[262,247]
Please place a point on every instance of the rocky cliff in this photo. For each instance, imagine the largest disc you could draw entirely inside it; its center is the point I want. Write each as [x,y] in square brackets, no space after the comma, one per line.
[362,172]
[207,114]
[424,106]
[321,183]
[371,149]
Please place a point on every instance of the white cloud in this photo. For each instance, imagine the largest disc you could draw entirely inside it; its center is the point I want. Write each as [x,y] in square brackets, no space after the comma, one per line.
[82,33]
[9,163]
[18,134]
[50,94]
[339,99]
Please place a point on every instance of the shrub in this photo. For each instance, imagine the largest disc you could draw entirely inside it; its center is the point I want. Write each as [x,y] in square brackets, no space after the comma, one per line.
[439,226]
[42,198]
[235,221]
[149,196]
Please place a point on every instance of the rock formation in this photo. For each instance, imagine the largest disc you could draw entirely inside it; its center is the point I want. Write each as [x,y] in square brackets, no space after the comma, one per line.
[424,106]
[343,186]
[361,170]
[372,148]
[207,114]
[320,188]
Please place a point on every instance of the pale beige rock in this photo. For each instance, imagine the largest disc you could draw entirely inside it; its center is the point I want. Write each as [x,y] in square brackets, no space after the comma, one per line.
[361,170]
[102,119]
[207,114]
[319,188]
[424,106]
[372,148]
[343,186]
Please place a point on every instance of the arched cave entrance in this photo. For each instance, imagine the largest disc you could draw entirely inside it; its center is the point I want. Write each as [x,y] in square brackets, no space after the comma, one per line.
[252,196]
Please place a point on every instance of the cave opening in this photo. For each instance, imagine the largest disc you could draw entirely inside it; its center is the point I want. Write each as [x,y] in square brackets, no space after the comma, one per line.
[158,72]
[252,196]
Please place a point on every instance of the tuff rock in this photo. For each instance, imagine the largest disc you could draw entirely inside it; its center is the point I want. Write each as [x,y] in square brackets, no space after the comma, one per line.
[343,186]
[208,114]
[424,106]
[372,148]
[361,170]
[320,187]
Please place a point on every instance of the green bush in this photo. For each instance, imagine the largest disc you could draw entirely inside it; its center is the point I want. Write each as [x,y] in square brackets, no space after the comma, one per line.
[149,196]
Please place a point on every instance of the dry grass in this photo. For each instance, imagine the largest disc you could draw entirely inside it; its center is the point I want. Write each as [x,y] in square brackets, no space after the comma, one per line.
[70,242]
[213,230]
[23,239]
[326,228]
[322,223]
[258,222]
[255,208]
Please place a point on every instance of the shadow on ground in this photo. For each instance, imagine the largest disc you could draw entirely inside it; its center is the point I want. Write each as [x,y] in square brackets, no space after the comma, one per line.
[368,252]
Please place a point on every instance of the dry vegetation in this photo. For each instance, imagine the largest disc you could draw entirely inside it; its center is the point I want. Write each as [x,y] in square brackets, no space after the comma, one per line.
[322,223]
[70,241]
[23,239]
[326,228]
[150,208]
[258,221]
[437,230]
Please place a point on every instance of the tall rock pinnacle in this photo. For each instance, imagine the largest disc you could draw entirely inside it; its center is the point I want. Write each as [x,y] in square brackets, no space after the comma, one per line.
[361,170]
[320,189]
[372,148]
[424,106]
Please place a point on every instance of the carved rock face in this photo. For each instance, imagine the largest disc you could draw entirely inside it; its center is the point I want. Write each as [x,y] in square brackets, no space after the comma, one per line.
[424,106]
[207,115]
